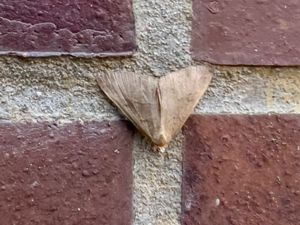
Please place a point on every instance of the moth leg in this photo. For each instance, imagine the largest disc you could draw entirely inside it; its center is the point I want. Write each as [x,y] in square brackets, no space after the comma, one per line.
[159,149]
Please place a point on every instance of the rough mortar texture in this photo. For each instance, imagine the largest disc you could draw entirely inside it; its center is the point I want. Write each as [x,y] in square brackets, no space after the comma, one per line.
[64,89]
[252,90]
[157,181]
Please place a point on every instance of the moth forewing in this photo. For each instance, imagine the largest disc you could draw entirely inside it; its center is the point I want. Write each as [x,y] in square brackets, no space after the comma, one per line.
[158,107]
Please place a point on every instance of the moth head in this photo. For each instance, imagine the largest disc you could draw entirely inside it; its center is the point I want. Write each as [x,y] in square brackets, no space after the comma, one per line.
[161,140]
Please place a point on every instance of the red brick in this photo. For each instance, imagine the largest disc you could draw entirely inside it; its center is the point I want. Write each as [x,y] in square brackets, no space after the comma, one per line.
[66,174]
[242,170]
[59,27]
[238,32]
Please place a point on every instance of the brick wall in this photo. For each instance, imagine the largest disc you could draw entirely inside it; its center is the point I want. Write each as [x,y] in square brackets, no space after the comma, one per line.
[69,157]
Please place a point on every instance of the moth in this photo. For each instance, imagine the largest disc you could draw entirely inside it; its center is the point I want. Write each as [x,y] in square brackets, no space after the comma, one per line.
[157,106]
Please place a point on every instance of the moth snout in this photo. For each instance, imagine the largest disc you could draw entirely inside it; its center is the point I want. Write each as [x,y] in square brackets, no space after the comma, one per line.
[162,140]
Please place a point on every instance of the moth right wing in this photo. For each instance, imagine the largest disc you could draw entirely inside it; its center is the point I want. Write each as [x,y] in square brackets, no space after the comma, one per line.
[181,91]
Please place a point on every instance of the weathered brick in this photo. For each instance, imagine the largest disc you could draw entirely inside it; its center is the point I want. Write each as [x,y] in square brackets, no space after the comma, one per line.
[242,170]
[239,32]
[57,27]
[66,174]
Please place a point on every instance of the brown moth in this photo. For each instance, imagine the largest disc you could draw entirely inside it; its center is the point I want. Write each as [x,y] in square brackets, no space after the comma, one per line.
[158,107]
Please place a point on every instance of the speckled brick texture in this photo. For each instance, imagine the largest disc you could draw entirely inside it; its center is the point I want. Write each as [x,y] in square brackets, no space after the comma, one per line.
[66,174]
[64,90]
[239,32]
[59,27]
[241,170]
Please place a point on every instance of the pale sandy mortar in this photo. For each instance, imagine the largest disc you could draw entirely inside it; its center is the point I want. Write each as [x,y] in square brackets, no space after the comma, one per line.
[64,89]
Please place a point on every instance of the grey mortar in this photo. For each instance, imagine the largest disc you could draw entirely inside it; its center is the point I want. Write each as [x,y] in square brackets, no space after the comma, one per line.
[252,90]
[64,89]
[157,181]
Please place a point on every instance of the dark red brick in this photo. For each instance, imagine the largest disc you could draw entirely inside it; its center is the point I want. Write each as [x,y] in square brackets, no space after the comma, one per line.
[242,170]
[239,32]
[59,27]
[66,174]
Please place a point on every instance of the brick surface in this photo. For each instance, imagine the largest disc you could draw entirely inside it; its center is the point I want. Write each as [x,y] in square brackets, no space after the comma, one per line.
[239,32]
[242,170]
[57,27]
[67,174]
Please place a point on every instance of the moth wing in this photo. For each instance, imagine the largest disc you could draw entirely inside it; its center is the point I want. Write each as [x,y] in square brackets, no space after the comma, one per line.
[136,97]
[180,93]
